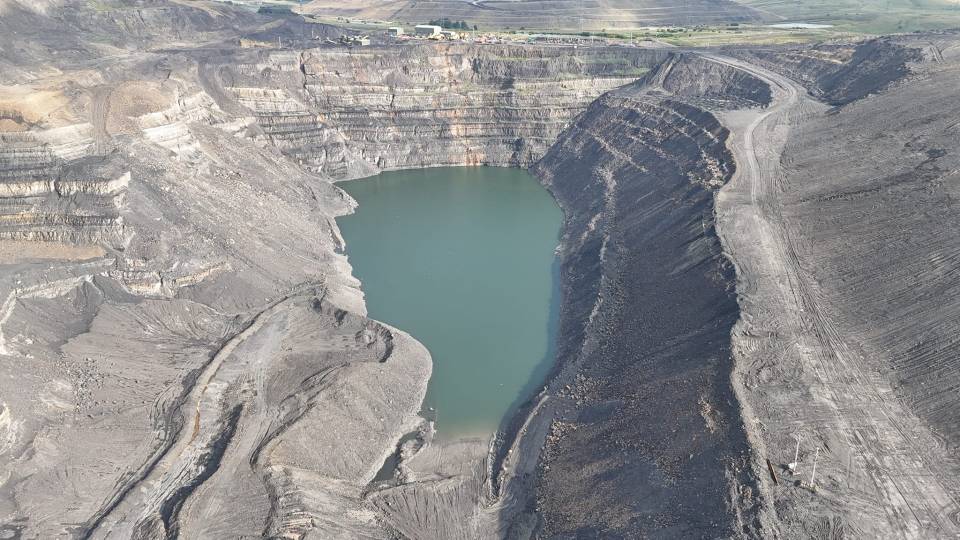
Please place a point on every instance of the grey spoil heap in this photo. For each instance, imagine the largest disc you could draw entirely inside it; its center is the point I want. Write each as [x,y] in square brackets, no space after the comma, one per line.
[759,244]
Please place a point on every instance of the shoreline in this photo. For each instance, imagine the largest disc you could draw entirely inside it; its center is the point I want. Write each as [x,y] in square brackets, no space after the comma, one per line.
[513,457]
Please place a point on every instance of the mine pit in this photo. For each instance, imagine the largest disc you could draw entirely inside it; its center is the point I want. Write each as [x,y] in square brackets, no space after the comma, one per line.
[284,273]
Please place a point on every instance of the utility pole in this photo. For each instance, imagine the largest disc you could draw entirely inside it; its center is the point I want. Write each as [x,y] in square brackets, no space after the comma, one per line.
[814,473]
[796,455]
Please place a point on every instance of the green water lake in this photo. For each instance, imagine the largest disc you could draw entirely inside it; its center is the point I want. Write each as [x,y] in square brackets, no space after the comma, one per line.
[463,259]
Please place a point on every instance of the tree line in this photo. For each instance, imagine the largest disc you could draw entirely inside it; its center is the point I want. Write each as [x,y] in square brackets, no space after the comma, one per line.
[452,25]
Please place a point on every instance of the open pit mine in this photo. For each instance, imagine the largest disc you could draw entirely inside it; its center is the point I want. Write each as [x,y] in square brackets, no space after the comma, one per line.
[758,327]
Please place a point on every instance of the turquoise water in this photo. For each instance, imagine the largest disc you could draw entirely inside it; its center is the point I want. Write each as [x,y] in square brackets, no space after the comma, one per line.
[463,259]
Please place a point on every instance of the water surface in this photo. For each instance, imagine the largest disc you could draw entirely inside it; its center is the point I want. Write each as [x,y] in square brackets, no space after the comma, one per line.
[801,26]
[463,259]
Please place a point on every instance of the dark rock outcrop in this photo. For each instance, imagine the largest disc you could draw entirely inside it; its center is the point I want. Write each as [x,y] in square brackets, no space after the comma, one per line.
[840,73]
[650,438]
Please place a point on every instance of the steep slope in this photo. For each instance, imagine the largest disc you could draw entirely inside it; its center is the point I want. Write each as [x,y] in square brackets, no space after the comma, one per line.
[348,113]
[179,326]
[830,323]
[185,352]
[840,73]
[640,419]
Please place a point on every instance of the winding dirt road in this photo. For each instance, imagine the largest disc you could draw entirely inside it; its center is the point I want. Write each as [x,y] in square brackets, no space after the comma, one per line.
[883,469]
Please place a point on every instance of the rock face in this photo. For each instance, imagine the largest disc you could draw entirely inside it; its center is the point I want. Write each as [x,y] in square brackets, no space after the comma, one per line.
[840,73]
[185,353]
[649,421]
[349,113]
[43,200]
[176,316]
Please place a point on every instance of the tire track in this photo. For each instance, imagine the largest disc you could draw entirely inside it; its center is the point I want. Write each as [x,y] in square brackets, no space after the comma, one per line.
[99,112]
[187,458]
[916,501]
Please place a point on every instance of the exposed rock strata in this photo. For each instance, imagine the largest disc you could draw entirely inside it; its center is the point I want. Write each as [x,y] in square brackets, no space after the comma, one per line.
[193,335]
[185,352]
[644,419]
[43,199]
[350,113]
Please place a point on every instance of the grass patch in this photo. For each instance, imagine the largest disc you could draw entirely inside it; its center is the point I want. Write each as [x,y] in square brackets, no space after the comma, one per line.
[866,16]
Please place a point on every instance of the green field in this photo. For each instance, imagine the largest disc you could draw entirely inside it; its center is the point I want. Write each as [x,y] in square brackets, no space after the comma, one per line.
[846,17]
[865,16]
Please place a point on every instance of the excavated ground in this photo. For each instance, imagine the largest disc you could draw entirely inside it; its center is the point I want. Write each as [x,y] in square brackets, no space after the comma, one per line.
[757,243]
[842,342]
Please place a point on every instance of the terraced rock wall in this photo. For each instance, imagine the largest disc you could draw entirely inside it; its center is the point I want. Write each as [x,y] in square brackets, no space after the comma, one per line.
[42,199]
[180,330]
[349,113]
[647,421]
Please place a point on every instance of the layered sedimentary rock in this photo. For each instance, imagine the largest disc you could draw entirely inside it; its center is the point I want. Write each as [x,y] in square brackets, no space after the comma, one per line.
[645,420]
[191,354]
[43,199]
[185,352]
[175,314]
[348,113]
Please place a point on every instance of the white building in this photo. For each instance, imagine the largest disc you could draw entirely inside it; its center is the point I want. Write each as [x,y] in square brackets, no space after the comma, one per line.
[395,31]
[426,30]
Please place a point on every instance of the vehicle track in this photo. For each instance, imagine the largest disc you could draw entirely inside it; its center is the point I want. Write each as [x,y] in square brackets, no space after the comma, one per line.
[900,461]
[209,75]
[179,462]
[99,113]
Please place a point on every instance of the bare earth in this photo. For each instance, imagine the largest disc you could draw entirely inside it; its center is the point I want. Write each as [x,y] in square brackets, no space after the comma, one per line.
[759,244]
[798,375]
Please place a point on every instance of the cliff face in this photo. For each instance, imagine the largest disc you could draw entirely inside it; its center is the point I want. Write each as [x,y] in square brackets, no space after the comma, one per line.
[647,420]
[350,113]
[180,330]
[42,200]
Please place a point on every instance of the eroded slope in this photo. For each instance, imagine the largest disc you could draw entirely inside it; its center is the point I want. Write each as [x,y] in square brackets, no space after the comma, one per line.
[185,350]
[640,419]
